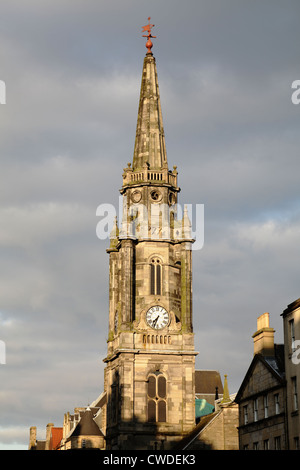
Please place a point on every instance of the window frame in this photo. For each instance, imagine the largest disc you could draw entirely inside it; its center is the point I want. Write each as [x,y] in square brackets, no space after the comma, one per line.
[156,398]
[277,403]
[246,417]
[277,442]
[255,409]
[156,275]
[266,444]
[266,405]
[295,393]
[292,334]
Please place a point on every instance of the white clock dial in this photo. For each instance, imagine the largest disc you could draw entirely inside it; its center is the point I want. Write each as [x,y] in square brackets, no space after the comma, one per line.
[157,317]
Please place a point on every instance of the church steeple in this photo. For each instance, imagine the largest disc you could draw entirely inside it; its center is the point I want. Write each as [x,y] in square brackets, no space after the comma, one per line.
[150,147]
[150,344]
[150,164]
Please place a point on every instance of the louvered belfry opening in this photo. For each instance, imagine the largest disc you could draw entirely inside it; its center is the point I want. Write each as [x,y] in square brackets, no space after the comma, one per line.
[155,277]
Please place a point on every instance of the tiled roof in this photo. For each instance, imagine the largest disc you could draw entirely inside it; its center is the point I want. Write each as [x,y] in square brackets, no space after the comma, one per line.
[206,382]
[187,440]
[56,437]
[40,445]
[202,408]
[87,426]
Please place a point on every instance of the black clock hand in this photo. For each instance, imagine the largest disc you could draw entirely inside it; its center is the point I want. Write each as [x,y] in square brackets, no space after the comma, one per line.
[155,321]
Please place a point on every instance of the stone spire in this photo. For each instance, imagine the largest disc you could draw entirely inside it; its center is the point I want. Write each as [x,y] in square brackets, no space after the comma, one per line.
[150,147]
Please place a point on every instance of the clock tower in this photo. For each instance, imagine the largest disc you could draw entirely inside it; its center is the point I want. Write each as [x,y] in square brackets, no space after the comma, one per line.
[150,363]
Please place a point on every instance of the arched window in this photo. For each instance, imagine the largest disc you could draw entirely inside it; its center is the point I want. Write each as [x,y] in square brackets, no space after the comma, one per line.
[155,276]
[156,398]
[161,411]
[151,411]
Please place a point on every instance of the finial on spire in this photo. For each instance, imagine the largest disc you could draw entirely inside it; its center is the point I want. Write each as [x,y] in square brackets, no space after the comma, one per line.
[148,28]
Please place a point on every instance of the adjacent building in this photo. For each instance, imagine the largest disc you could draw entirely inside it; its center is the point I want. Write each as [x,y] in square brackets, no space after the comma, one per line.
[85,428]
[291,329]
[215,430]
[262,394]
[51,442]
[268,396]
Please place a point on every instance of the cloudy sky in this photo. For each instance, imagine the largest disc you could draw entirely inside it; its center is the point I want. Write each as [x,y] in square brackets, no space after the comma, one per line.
[72,70]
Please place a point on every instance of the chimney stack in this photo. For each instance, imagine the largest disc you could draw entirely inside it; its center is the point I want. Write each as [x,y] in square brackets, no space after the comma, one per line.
[32,437]
[264,336]
[48,435]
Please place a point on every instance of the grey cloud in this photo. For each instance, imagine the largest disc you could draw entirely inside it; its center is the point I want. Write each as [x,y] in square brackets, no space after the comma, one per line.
[73,71]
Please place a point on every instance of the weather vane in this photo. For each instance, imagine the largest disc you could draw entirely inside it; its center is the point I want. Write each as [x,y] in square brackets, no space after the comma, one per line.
[148,28]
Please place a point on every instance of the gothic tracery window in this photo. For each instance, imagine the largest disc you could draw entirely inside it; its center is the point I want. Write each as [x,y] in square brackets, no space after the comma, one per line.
[156,397]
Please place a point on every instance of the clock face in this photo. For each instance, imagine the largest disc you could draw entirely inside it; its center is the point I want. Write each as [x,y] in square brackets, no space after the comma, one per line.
[157,317]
